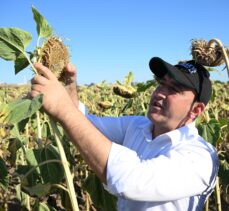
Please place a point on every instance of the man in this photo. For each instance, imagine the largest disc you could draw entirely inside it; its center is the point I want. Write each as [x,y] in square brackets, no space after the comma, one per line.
[155,163]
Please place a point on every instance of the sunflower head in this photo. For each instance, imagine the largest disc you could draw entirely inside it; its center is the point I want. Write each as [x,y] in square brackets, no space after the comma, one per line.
[206,54]
[55,56]
[124,91]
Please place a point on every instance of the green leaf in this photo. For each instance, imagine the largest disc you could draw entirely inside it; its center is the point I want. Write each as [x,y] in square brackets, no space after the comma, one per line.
[65,199]
[27,108]
[13,42]
[128,105]
[32,179]
[4,112]
[46,130]
[46,171]
[198,121]
[224,172]
[20,63]
[118,82]
[4,179]
[40,206]
[100,197]
[128,79]
[43,28]
[23,198]
[142,87]
[14,145]
[38,190]
[210,131]
[223,122]
[15,132]
[22,124]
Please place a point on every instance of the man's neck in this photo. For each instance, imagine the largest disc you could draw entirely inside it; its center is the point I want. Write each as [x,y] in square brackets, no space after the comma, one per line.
[158,130]
[161,129]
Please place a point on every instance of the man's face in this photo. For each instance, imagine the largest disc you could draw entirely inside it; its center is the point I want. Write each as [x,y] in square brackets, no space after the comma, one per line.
[170,104]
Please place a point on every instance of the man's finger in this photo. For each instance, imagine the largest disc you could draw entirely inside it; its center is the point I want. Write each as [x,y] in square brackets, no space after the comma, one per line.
[70,68]
[39,79]
[69,75]
[44,71]
[37,88]
[33,93]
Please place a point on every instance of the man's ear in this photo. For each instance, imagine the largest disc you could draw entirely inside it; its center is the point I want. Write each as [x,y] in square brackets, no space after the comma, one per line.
[196,110]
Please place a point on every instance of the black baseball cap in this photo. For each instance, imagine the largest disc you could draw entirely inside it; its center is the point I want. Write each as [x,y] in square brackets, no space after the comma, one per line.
[188,73]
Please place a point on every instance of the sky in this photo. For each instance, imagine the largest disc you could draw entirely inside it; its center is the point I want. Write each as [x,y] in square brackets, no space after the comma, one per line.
[109,38]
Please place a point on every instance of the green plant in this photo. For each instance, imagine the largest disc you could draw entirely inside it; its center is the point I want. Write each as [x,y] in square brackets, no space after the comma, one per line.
[13,43]
[30,158]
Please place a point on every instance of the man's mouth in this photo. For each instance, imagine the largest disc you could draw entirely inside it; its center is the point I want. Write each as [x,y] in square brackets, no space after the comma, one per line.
[157,105]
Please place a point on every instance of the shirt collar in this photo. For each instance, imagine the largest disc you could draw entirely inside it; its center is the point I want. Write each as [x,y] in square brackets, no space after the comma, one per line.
[186,132]
[146,129]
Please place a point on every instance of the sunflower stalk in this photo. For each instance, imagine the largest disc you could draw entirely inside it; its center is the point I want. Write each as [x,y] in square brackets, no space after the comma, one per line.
[217,193]
[39,136]
[214,40]
[206,205]
[68,176]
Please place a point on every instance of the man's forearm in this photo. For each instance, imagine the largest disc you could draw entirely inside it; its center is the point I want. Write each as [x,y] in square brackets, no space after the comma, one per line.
[93,145]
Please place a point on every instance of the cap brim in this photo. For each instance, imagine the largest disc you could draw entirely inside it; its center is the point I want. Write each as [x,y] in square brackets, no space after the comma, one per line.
[159,67]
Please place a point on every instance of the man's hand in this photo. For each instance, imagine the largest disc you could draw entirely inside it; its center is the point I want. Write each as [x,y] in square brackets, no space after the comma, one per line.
[56,100]
[92,144]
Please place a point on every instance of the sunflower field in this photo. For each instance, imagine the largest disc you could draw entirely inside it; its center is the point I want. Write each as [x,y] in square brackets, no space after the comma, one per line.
[40,168]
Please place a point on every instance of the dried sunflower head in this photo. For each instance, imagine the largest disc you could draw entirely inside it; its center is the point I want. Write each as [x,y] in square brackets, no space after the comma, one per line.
[124,91]
[206,54]
[55,56]
[105,104]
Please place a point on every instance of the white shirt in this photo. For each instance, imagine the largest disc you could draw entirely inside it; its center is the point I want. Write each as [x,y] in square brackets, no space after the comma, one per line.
[175,171]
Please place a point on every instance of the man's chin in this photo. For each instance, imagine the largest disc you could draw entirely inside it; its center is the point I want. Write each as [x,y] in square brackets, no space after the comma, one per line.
[155,117]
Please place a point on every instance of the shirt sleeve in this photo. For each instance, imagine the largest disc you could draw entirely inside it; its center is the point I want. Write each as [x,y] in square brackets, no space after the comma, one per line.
[114,128]
[165,178]
[82,108]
